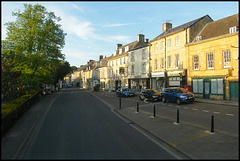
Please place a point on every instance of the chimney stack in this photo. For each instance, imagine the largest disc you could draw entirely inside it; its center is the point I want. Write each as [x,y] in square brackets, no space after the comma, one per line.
[166,26]
[119,45]
[100,57]
[146,40]
[140,38]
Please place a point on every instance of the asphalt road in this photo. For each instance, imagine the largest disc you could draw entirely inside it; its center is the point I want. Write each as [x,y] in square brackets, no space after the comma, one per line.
[72,124]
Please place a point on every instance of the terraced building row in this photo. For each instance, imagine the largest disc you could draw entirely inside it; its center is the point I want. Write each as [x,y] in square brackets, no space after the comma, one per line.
[201,55]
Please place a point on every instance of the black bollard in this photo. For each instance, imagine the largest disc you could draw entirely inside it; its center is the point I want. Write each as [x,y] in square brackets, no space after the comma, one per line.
[137,106]
[178,116]
[212,124]
[154,111]
[119,102]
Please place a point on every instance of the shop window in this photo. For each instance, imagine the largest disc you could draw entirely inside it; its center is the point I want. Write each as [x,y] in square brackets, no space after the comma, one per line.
[197,85]
[216,86]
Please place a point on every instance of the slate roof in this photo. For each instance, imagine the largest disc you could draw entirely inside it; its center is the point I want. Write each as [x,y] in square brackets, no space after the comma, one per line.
[139,45]
[219,27]
[124,53]
[183,26]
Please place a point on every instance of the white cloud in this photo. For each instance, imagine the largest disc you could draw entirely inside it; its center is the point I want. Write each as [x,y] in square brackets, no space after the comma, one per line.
[115,25]
[78,8]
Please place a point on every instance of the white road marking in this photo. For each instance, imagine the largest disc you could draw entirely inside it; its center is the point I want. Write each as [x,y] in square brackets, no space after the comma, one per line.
[186,107]
[216,112]
[228,114]
[205,111]
[194,109]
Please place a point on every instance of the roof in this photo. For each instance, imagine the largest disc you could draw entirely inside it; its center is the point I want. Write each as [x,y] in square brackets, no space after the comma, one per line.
[219,27]
[183,26]
[124,53]
[139,45]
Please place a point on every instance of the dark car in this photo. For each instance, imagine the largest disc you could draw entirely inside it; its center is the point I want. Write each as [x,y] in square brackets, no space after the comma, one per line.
[177,94]
[150,94]
[125,92]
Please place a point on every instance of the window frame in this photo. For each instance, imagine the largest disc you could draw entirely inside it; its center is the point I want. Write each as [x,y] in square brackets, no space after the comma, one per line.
[210,60]
[228,54]
[195,63]
[169,62]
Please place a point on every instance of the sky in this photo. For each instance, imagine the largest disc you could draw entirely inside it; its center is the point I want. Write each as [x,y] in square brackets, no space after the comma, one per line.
[95,27]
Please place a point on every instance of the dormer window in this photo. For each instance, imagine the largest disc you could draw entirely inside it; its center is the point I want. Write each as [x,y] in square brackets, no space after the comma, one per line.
[114,52]
[120,51]
[233,29]
[127,48]
[199,38]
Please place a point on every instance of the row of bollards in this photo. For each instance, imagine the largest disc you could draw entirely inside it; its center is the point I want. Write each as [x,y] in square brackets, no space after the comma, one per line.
[178,122]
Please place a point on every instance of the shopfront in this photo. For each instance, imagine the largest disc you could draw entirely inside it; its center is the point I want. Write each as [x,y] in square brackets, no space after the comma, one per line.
[177,78]
[158,81]
[138,84]
[209,87]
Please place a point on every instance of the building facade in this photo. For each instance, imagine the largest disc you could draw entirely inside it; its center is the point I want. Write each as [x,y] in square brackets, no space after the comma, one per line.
[138,64]
[202,53]
[214,60]
[168,55]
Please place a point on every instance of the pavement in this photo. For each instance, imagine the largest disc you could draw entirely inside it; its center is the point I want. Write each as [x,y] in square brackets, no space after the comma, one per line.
[185,139]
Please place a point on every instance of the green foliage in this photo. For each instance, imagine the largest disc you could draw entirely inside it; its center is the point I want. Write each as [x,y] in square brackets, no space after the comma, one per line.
[12,105]
[31,52]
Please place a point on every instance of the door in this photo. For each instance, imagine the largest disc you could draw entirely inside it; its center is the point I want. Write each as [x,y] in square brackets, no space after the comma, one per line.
[206,92]
[234,93]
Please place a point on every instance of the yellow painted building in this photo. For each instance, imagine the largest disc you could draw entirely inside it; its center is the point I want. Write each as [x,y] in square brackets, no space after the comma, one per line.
[168,58]
[86,72]
[213,68]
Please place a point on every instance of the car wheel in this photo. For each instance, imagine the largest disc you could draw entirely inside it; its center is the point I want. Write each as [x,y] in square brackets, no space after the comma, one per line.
[163,99]
[178,101]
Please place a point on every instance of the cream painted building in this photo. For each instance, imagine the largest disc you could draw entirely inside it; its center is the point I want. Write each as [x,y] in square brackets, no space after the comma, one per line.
[138,64]
[168,54]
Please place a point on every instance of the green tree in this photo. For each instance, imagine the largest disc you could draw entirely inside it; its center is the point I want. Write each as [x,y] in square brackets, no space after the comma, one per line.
[62,70]
[34,42]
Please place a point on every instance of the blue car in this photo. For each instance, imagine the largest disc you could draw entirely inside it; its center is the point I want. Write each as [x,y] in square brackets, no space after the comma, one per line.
[177,94]
[126,92]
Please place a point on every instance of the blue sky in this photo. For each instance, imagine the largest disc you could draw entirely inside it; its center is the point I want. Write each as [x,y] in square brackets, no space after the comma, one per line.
[95,27]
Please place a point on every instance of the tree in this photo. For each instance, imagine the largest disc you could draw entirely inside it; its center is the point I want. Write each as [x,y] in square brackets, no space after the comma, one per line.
[63,69]
[34,42]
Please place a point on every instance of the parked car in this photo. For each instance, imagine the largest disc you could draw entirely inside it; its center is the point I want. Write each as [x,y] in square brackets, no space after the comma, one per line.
[69,85]
[150,94]
[177,94]
[125,92]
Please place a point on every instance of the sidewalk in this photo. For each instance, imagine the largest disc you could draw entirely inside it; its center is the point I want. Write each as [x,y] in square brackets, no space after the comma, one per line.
[222,102]
[193,142]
